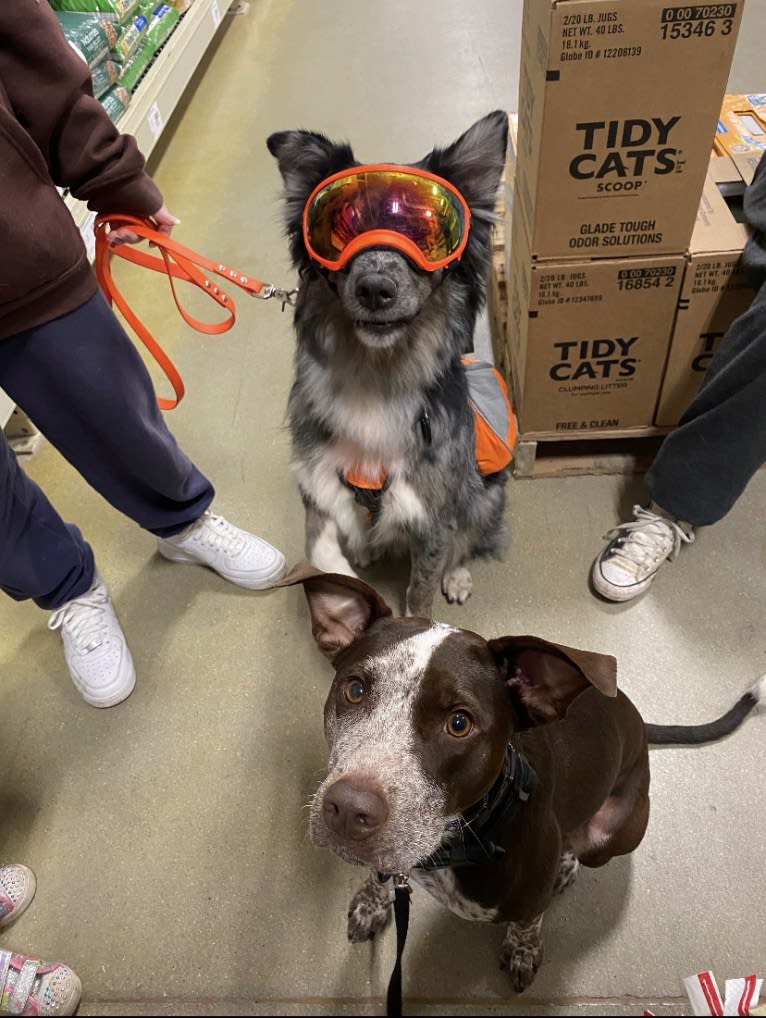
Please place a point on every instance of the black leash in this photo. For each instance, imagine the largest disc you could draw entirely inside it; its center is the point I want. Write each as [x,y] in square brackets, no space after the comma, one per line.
[485,820]
[402,892]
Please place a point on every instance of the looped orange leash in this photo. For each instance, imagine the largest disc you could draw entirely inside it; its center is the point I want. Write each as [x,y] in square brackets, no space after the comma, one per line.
[177,262]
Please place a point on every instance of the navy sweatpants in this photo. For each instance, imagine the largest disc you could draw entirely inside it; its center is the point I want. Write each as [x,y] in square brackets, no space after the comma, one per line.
[82,382]
[704,465]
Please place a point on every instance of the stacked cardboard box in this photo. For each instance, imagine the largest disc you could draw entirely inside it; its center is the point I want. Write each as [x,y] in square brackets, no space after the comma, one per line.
[618,106]
[742,125]
[715,291]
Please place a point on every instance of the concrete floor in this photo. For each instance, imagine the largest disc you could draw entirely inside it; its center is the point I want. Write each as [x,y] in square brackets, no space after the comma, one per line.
[169,834]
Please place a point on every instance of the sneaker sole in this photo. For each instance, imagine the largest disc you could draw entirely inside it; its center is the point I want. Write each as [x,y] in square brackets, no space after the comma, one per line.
[262,583]
[610,592]
[110,697]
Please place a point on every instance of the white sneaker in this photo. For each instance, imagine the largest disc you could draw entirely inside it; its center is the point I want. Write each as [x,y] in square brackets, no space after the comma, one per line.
[95,649]
[635,552]
[235,554]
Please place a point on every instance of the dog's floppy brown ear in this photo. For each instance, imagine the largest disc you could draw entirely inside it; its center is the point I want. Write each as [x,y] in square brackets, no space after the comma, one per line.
[342,607]
[544,678]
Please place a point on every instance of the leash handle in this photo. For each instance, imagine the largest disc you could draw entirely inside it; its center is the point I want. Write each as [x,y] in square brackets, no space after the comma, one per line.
[177,262]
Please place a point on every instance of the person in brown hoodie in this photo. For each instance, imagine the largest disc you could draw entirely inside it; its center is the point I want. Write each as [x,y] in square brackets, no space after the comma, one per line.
[66,361]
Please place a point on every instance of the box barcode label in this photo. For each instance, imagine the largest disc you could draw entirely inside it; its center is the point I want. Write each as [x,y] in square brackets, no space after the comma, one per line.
[697,20]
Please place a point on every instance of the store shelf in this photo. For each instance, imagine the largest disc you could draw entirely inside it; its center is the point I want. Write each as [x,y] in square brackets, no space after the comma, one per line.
[161,88]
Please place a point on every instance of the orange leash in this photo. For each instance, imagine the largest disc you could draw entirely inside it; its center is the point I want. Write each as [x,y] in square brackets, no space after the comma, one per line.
[177,262]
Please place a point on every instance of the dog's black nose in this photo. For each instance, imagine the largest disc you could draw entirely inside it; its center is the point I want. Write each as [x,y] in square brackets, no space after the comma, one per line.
[353,812]
[375,291]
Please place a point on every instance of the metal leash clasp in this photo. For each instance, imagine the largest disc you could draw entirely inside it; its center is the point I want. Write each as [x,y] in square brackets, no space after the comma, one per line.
[285,296]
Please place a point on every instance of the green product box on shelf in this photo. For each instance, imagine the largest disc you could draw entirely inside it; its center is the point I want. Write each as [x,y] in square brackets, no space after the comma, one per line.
[90,35]
[103,76]
[115,101]
[162,22]
[120,9]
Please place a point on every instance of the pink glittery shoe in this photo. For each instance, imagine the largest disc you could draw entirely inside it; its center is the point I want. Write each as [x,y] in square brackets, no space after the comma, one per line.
[17,889]
[32,987]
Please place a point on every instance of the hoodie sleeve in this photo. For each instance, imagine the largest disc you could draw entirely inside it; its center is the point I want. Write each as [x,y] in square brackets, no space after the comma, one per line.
[49,89]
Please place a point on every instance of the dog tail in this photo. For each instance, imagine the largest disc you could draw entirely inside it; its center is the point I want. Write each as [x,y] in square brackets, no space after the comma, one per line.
[689,735]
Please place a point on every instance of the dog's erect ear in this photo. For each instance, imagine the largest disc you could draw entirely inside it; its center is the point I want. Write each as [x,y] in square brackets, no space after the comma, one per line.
[305,158]
[342,607]
[474,163]
[543,678]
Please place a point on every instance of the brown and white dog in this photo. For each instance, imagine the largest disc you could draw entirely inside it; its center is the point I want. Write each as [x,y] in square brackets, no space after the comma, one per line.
[485,770]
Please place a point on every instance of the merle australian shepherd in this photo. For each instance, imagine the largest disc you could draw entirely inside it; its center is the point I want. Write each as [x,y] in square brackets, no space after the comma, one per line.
[379,387]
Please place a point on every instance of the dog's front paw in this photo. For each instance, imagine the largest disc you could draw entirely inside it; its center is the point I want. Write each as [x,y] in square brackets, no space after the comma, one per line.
[369,911]
[457,585]
[568,867]
[522,953]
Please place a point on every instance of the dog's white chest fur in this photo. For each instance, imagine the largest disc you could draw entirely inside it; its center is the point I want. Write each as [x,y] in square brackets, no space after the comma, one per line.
[441,884]
[369,430]
[370,439]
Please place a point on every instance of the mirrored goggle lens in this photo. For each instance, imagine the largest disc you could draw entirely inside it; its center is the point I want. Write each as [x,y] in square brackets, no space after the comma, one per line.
[423,210]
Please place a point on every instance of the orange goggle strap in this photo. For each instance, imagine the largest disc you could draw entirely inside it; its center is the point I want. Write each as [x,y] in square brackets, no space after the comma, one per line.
[385,237]
[177,262]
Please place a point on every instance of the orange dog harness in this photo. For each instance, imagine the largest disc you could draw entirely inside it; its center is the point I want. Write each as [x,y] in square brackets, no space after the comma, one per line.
[495,431]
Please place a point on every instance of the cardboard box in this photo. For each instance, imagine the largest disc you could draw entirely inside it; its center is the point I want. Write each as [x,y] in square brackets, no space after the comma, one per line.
[746,164]
[714,293]
[509,183]
[725,173]
[741,132]
[588,340]
[618,106]
[741,127]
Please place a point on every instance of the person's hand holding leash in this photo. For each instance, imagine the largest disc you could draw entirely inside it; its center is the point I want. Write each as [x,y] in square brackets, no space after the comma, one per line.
[163,220]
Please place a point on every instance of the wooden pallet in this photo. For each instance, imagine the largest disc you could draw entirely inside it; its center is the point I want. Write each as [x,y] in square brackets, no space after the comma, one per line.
[607,452]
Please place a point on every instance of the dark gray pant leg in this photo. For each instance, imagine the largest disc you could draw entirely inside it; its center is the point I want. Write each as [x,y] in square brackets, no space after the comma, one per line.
[704,465]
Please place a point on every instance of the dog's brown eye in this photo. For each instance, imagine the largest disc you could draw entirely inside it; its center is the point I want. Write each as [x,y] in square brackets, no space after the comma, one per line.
[459,724]
[354,691]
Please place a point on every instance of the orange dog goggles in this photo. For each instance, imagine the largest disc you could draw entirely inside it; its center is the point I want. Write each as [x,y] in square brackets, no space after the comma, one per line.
[422,215]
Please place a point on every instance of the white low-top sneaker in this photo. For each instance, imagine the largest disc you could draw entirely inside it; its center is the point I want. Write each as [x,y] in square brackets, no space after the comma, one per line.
[235,554]
[95,648]
[635,552]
